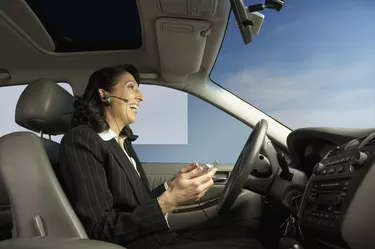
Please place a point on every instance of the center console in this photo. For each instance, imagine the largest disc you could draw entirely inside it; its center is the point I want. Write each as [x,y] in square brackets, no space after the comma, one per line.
[337,190]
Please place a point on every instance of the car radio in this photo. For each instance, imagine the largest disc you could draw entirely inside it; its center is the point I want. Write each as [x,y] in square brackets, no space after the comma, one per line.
[335,181]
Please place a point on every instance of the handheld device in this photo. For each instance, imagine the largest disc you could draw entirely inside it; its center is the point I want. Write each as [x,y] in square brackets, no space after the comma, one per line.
[209,166]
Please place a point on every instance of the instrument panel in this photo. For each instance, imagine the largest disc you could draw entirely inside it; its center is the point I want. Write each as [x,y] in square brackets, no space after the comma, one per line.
[336,206]
[320,148]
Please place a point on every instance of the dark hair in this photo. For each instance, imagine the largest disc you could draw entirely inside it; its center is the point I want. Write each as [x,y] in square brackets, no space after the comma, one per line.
[89,108]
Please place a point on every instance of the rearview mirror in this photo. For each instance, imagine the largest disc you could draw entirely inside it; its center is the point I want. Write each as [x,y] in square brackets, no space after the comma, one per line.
[249,23]
[243,23]
[248,20]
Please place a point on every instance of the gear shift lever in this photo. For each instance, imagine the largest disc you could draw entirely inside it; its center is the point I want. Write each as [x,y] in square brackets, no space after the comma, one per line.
[289,243]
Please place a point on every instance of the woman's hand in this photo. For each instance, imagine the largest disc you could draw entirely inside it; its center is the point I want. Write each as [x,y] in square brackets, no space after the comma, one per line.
[188,184]
[185,169]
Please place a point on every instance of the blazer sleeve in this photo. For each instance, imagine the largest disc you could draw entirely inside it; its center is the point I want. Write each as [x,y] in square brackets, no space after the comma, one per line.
[81,166]
[159,190]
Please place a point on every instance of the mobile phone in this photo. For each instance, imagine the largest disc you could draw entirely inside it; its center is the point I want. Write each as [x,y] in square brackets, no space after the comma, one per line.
[209,166]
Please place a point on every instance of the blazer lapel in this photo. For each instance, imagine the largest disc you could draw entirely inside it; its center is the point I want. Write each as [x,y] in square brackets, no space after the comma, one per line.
[139,165]
[130,171]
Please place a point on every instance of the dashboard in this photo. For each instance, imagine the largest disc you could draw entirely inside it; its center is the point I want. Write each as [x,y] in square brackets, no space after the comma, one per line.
[337,206]
[318,149]
[309,145]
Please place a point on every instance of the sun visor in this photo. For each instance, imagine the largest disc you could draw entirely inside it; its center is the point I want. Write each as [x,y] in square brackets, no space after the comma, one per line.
[22,16]
[181,45]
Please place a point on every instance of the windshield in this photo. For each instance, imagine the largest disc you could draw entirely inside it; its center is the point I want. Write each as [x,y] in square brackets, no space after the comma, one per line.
[312,64]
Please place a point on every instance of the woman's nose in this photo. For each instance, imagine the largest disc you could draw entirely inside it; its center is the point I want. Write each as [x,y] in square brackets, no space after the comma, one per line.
[140,96]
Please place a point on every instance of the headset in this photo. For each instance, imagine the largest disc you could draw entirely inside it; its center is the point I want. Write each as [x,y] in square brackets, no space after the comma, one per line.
[107,99]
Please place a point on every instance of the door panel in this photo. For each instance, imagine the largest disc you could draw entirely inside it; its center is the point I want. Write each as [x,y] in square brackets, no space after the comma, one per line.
[247,208]
[158,173]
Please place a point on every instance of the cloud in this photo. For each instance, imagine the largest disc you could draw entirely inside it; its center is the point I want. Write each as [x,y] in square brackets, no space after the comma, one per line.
[335,96]
[328,117]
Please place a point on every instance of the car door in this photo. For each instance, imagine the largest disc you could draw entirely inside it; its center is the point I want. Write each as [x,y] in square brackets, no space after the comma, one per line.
[207,136]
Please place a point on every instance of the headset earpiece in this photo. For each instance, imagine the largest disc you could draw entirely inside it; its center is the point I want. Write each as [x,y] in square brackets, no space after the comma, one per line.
[107,99]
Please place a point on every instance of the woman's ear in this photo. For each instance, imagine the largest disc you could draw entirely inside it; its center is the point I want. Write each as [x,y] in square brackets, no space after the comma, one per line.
[103,95]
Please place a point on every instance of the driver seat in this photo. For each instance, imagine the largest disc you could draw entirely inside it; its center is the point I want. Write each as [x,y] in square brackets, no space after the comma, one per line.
[38,204]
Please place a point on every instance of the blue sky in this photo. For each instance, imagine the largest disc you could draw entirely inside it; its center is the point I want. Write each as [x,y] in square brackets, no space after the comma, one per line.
[311,65]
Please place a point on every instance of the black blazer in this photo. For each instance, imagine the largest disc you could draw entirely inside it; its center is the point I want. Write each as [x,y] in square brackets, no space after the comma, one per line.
[112,201]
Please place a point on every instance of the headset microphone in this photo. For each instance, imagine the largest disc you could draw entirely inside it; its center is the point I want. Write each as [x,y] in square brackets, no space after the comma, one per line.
[107,99]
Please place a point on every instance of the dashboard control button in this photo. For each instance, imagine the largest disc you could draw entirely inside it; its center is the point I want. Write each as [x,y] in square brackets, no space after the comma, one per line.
[331,170]
[318,168]
[340,169]
[359,160]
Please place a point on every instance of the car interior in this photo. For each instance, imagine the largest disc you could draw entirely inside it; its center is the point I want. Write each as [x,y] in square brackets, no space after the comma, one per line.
[306,188]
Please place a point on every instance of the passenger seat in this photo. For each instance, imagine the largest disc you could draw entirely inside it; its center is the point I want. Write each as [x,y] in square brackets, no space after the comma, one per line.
[39,206]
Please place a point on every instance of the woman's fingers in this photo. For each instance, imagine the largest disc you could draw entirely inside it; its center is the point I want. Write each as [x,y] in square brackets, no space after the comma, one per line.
[206,177]
[191,184]
[205,186]
[193,173]
[189,168]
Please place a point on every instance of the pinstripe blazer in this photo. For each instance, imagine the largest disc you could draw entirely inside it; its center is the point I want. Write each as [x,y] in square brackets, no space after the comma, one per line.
[112,201]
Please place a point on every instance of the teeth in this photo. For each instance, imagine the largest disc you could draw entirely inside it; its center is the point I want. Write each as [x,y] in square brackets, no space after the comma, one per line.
[134,106]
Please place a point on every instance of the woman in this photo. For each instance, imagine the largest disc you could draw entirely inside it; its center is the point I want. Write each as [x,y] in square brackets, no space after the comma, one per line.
[102,176]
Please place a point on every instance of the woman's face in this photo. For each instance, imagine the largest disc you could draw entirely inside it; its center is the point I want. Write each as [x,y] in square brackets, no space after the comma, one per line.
[126,88]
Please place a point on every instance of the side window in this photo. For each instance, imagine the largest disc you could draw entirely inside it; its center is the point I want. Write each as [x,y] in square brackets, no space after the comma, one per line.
[211,133]
[9,96]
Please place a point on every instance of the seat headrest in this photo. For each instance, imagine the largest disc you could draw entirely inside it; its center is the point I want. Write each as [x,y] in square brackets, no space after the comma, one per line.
[46,107]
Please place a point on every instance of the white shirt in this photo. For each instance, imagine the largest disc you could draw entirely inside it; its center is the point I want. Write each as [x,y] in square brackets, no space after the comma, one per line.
[108,135]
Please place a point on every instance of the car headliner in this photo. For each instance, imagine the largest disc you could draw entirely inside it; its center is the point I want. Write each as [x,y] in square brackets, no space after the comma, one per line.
[27,49]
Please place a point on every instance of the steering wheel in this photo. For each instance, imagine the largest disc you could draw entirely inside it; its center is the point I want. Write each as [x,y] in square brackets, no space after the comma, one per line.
[243,166]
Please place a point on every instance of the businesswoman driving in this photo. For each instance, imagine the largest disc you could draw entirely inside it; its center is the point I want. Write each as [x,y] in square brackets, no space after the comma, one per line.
[102,175]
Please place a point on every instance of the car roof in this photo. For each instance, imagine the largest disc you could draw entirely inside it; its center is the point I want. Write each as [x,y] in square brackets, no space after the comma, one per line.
[170,42]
